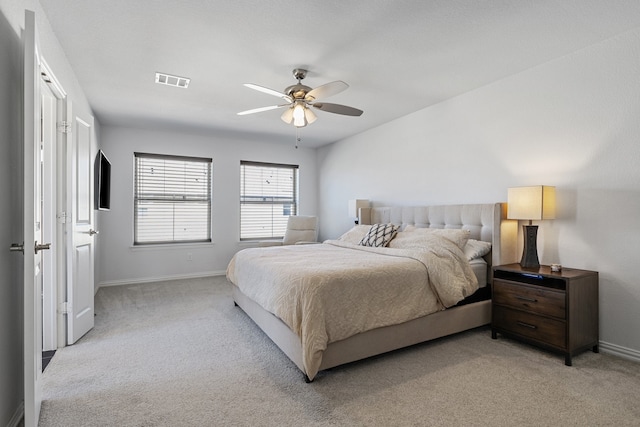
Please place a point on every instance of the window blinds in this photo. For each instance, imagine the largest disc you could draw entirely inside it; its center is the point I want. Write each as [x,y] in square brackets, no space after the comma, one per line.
[172,199]
[268,196]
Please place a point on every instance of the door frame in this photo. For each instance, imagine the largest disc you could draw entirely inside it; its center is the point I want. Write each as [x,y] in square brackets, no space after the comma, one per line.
[53,318]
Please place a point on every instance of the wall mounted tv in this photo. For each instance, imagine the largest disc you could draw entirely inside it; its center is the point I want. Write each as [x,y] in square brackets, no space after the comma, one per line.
[102,182]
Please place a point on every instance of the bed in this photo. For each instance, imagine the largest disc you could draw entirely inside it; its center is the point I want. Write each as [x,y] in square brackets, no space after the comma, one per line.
[364,301]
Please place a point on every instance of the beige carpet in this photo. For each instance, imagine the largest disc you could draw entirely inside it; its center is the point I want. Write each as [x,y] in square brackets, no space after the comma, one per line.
[181,354]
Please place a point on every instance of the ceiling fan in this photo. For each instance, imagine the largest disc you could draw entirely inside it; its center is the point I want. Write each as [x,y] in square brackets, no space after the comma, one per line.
[299,98]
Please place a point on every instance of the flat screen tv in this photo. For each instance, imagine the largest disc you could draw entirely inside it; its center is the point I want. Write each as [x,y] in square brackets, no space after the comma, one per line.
[103,182]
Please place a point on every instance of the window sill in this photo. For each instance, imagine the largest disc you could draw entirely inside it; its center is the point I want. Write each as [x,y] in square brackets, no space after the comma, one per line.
[169,246]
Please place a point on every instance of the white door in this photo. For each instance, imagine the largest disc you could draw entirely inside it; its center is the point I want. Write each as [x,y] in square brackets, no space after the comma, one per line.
[32,228]
[80,267]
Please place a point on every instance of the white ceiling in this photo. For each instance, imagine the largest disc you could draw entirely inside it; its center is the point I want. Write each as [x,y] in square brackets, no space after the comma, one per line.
[397,56]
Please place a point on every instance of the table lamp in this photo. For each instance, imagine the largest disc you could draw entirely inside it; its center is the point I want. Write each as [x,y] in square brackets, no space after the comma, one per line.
[531,203]
[354,208]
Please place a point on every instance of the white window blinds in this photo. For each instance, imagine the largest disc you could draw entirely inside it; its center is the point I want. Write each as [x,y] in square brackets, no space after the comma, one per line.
[268,196]
[172,199]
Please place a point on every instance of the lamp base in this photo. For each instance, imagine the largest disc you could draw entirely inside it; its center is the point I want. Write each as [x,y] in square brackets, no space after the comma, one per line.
[530,250]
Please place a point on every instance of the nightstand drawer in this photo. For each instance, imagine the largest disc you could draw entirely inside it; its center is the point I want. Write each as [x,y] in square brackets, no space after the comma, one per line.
[542,329]
[531,298]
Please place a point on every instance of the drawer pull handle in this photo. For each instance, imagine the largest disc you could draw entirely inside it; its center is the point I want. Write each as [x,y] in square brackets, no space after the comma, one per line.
[526,298]
[527,325]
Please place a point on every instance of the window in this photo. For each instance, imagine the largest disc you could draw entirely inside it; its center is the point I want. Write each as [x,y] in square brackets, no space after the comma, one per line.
[268,196]
[172,199]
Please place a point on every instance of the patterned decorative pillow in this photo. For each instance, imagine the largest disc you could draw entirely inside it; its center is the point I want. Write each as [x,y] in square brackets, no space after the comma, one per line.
[380,235]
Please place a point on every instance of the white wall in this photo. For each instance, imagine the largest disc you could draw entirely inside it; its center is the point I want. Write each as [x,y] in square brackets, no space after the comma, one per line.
[121,263]
[573,123]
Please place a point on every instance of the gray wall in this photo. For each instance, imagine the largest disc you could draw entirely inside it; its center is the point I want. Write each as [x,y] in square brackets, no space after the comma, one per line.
[572,123]
[11,118]
[120,262]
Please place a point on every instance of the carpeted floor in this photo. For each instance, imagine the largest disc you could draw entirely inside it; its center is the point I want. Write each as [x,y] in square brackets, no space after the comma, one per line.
[179,353]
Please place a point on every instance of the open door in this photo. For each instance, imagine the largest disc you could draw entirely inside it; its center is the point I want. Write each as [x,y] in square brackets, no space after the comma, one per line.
[32,228]
[81,236]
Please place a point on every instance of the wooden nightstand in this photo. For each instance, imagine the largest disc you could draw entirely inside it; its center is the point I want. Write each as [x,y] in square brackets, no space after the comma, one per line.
[557,311]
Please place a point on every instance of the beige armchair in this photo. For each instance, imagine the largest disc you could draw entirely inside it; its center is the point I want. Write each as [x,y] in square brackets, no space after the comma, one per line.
[300,230]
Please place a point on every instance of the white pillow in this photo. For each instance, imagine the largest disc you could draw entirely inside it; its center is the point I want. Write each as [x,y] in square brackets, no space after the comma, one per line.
[476,249]
[379,235]
[355,235]
[456,235]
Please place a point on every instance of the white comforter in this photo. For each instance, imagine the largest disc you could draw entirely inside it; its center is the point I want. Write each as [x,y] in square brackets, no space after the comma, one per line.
[331,291]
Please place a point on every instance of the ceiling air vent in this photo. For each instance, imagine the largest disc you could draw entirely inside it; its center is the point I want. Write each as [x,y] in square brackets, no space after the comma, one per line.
[169,80]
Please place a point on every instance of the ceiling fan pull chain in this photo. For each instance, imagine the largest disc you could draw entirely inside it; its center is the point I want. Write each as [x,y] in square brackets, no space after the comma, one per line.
[298,138]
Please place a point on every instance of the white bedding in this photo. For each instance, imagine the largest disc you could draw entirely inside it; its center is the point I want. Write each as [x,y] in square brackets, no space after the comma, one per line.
[479,267]
[331,291]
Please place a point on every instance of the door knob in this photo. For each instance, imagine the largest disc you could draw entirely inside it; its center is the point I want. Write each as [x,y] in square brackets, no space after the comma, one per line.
[42,246]
[92,232]
[16,247]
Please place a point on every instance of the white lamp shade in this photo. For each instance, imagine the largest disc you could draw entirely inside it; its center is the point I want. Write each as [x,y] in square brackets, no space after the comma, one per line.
[531,203]
[299,115]
[287,116]
[299,119]
[309,116]
[355,205]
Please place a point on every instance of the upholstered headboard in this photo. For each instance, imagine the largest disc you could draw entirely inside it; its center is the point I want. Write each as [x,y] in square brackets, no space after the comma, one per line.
[486,222]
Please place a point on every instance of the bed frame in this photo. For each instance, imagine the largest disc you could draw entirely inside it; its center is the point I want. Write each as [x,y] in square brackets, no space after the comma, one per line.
[485,222]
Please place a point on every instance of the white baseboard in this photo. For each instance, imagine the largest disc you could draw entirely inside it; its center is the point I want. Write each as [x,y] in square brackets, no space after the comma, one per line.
[160,279]
[17,416]
[618,350]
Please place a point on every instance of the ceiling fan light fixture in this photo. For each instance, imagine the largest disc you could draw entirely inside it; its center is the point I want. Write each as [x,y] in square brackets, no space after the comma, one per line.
[287,116]
[309,115]
[300,98]
[299,119]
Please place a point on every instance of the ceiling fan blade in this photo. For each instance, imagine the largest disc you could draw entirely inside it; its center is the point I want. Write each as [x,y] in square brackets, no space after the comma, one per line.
[269,91]
[338,109]
[261,109]
[326,90]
